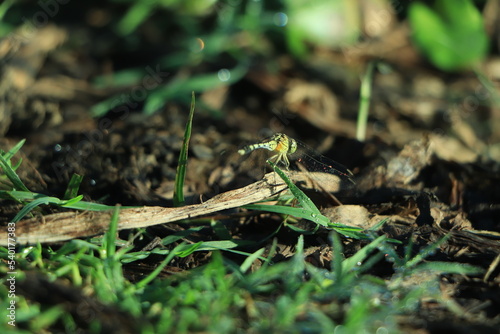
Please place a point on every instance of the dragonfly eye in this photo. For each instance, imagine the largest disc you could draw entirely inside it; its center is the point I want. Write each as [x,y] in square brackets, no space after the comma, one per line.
[293,146]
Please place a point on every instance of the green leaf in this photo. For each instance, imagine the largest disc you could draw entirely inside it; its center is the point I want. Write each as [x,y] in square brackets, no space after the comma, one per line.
[30,206]
[189,249]
[352,262]
[224,244]
[450,268]
[304,201]
[247,264]
[72,201]
[180,176]
[428,250]
[178,87]
[315,23]
[287,210]
[308,211]
[110,236]
[451,34]
[137,14]
[180,235]
[141,284]
[4,8]
[73,186]
[9,171]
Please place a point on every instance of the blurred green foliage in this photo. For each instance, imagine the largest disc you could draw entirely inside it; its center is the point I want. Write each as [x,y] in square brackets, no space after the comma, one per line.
[5,28]
[451,33]
[140,11]
[204,44]
[322,23]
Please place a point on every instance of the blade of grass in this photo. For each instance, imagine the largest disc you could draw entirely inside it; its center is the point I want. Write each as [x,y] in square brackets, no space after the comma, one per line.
[364,105]
[14,149]
[110,236]
[137,14]
[247,264]
[73,186]
[180,176]
[430,249]
[287,210]
[304,201]
[4,8]
[73,203]
[141,284]
[352,262]
[379,225]
[449,268]
[189,249]
[180,86]
[44,200]
[301,213]
[224,244]
[89,206]
[338,256]
[391,254]
[180,235]
[220,230]
[10,172]
[308,211]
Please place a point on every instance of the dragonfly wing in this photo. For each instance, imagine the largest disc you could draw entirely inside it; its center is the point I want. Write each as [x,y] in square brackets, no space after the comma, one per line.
[316,162]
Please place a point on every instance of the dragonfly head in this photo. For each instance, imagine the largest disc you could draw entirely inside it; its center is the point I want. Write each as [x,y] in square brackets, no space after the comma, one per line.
[292,145]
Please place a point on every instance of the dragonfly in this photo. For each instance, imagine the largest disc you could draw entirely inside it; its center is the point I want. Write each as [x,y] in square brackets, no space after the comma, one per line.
[286,148]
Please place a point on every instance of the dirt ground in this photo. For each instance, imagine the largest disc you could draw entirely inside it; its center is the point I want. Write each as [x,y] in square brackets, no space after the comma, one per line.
[430,163]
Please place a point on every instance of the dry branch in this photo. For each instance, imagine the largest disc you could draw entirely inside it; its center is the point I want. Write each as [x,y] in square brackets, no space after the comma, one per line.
[69,225]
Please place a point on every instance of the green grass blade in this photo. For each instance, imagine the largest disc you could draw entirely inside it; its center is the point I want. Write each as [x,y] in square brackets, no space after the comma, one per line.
[73,186]
[304,201]
[287,210]
[4,8]
[348,231]
[224,244]
[19,196]
[9,171]
[364,105]
[308,211]
[247,264]
[426,252]
[141,284]
[180,235]
[110,236]
[45,200]
[352,262]
[189,249]
[391,254]
[449,268]
[30,206]
[137,14]
[379,225]
[74,203]
[89,206]
[338,256]
[14,149]
[180,176]
[180,86]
